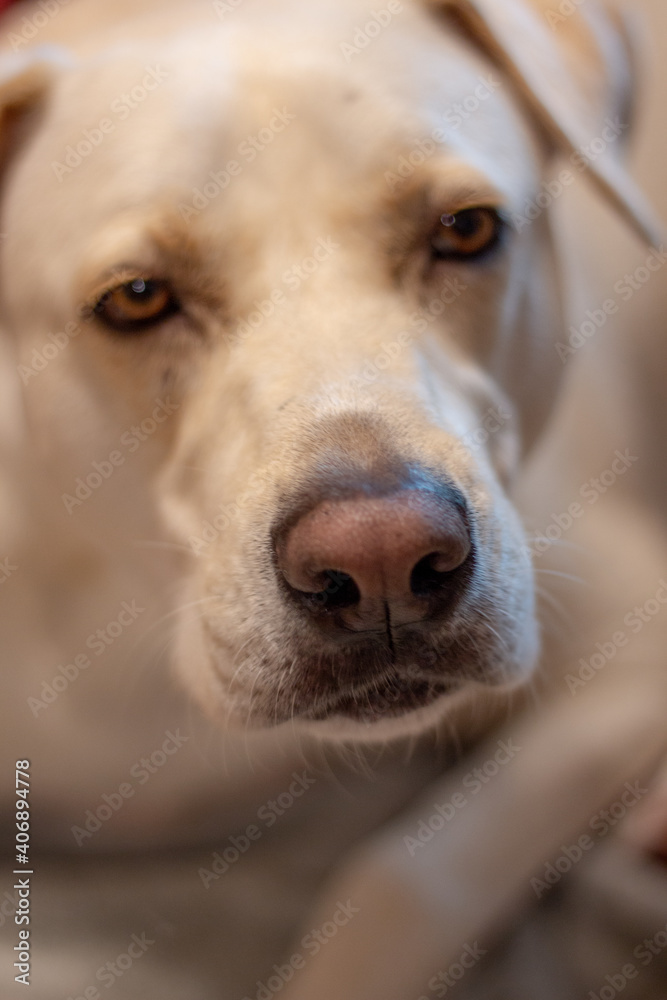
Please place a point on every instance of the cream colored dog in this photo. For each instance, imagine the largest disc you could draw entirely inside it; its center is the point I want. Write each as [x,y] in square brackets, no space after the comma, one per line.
[282,315]
[300,264]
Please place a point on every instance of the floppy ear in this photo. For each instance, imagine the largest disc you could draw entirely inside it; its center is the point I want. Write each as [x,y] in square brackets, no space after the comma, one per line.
[24,83]
[570,64]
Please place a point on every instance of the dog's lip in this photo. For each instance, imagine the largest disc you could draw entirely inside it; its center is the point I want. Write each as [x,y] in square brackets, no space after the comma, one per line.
[384,698]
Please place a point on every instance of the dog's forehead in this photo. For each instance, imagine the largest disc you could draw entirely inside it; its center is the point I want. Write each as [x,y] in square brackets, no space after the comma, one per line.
[324,60]
[287,105]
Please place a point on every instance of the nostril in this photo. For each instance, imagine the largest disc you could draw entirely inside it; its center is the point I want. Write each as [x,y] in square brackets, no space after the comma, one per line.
[340,592]
[428,578]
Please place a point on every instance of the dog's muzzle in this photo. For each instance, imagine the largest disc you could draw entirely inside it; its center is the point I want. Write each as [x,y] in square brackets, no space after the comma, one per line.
[391,587]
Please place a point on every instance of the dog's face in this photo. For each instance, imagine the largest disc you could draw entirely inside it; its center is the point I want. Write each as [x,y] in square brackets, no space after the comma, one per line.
[296,284]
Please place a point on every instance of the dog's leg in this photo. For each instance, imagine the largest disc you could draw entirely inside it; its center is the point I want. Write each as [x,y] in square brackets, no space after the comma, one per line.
[413,915]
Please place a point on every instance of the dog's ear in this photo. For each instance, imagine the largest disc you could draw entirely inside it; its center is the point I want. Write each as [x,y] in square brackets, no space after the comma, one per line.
[571,66]
[25,81]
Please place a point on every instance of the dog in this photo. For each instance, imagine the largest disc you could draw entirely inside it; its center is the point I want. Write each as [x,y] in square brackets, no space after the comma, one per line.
[281,299]
[374,568]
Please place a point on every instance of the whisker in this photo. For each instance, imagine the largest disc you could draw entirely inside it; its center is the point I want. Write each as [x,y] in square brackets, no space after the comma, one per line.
[555,604]
[557,543]
[148,543]
[563,576]
[173,614]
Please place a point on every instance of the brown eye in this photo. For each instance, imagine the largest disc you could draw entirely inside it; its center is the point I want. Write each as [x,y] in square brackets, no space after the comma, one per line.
[467,235]
[136,305]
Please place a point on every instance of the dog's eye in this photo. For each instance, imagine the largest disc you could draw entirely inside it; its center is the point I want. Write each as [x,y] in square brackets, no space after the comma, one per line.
[136,305]
[467,235]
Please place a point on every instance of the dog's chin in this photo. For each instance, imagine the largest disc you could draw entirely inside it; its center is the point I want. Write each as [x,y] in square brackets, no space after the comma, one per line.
[361,726]
[357,721]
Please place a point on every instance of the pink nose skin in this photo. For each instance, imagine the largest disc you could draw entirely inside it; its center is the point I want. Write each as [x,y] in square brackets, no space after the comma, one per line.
[387,558]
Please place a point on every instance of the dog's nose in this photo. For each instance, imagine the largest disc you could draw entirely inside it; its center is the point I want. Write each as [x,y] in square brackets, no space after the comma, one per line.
[377,561]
